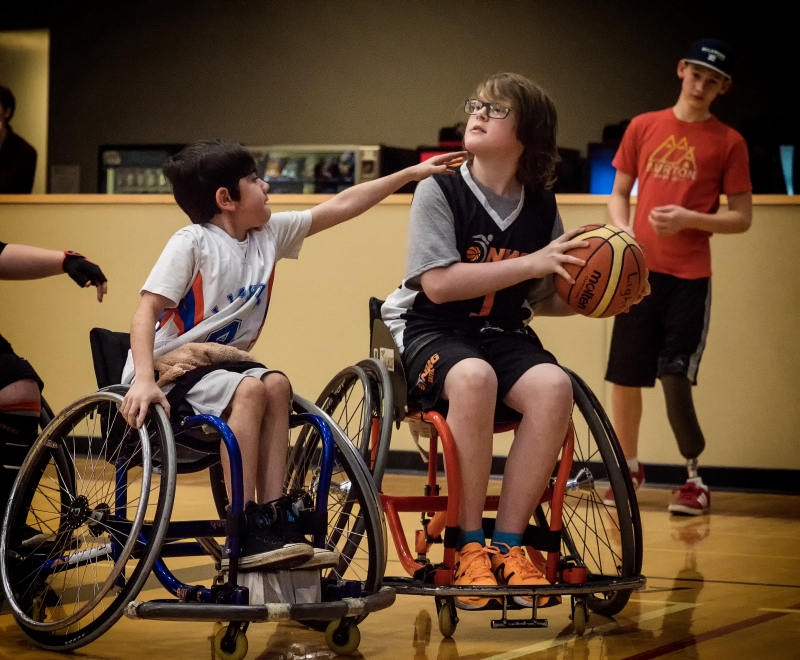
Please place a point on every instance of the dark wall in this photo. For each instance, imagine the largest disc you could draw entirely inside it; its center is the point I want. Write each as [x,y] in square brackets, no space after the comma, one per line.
[364,71]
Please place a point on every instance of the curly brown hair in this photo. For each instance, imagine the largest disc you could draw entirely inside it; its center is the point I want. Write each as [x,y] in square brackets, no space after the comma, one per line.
[537,125]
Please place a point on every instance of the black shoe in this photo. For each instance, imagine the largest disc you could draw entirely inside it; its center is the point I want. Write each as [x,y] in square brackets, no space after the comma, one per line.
[272,538]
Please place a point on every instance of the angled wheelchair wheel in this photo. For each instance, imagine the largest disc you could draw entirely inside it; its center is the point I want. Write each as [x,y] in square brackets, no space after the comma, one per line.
[605,540]
[86,520]
[359,400]
[355,518]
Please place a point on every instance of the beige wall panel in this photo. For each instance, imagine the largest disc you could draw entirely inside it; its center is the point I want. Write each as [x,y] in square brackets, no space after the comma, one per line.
[748,397]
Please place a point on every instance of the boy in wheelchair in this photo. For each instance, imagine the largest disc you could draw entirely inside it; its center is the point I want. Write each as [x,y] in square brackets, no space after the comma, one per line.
[213,283]
[483,249]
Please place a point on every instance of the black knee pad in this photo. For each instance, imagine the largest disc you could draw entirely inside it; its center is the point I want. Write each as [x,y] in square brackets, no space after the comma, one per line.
[17,435]
[682,416]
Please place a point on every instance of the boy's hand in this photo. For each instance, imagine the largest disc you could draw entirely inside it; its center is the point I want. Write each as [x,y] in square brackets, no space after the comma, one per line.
[551,259]
[137,402]
[441,164]
[669,220]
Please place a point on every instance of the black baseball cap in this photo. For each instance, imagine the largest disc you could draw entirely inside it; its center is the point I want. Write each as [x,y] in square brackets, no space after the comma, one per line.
[713,53]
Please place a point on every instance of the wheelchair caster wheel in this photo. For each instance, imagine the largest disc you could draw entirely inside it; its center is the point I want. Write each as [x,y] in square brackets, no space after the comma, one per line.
[239,649]
[448,619]
[580,616]
[342,636]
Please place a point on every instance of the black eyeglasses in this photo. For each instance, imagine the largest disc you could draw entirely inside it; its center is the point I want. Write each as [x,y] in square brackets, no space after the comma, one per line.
[474,106]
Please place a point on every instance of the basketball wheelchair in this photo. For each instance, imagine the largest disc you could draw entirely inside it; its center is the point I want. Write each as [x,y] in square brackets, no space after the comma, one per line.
[585,549]
[89,521]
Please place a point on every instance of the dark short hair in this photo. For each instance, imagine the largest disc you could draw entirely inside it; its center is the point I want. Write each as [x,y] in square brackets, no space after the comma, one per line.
[537,125]
[202,168]
[7,100]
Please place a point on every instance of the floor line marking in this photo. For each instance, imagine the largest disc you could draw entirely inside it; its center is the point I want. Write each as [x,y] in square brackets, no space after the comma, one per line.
[704,581]
[694,640]
[672,608]
[785,610]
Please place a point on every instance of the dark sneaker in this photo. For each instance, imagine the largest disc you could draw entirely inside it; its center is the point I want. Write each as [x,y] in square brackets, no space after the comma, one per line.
[272,538]
[323,558]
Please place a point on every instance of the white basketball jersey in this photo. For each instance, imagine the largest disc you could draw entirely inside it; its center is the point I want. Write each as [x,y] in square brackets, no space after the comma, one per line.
[221,287]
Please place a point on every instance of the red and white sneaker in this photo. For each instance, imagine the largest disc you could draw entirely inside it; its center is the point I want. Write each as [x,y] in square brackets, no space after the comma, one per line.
[694,499]
[638,480]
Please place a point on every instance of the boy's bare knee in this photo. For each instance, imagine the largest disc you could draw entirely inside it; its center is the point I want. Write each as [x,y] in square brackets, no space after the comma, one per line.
[278,389]
[251,394]
[471,379]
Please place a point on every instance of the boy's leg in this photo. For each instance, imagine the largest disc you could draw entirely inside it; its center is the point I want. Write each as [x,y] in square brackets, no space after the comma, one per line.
[544,397]
[532,383]
[471,389]
[687,320]
[245,418]
[453,368]
[636,341]
[274,436]
[626,408]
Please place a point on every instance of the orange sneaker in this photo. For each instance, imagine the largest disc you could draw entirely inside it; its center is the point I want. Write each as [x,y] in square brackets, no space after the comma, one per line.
[515,569]
[474,569]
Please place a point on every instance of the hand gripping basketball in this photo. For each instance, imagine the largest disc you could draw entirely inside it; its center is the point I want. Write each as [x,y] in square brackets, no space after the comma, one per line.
[83,271]
[614,277]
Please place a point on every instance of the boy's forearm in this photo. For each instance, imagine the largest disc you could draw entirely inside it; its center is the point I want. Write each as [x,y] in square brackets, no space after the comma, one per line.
[26,262]
[465,281]
[725,222]
[143,334]
[619,210]
[354,201]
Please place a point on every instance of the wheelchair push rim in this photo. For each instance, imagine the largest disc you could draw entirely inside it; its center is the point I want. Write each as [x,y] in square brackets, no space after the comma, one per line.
[95,540]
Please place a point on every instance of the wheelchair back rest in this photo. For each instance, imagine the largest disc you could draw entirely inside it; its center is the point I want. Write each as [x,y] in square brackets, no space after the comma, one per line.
[109,353]
[383,349]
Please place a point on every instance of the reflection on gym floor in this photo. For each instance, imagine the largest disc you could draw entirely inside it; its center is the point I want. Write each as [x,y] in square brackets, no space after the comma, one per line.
[724,586]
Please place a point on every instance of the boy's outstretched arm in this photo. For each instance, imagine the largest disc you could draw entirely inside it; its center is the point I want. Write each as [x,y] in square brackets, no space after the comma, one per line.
[354,201]
[144,392]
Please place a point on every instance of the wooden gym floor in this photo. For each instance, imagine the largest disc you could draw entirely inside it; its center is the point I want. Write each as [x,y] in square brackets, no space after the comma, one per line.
[721,586]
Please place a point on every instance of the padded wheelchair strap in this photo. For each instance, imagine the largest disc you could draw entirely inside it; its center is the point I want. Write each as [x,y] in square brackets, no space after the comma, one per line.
[534,536]
[186,382]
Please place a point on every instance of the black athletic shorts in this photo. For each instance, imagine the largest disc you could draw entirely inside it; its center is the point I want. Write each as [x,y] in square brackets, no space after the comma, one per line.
[663,335]
[510,353]
[13,367]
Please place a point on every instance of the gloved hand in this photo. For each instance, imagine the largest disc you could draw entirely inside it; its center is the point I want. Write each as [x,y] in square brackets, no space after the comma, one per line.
[83,271]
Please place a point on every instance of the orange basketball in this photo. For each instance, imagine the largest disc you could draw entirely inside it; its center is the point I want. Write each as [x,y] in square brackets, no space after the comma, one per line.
[473,253]
[612,278]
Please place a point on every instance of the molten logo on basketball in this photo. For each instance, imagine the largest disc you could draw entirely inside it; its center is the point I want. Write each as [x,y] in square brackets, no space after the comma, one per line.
[588,291]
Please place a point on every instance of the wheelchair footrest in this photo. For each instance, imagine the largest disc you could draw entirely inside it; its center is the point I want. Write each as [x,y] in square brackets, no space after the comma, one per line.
[520,623]
[179,611]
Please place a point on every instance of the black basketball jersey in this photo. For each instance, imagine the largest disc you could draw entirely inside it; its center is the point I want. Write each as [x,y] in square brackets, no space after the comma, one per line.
[479,238]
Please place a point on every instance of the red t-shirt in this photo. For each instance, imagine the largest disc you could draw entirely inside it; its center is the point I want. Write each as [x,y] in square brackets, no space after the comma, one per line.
[683,163]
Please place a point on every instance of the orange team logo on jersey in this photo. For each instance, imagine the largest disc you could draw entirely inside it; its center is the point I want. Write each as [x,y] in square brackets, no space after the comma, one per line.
[673,160]
[427,373]
[490,255]
[478,251]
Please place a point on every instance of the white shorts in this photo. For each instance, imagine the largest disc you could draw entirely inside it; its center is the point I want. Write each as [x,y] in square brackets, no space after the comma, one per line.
[213,393]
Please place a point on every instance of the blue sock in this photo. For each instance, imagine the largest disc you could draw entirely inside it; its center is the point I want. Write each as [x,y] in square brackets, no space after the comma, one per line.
[473,536]
[505,537]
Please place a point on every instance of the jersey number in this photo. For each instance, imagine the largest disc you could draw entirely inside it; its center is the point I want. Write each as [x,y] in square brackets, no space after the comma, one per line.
[226,334]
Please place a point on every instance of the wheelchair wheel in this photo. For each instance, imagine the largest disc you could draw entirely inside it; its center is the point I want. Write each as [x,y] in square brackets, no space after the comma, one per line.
[355,518]
[359,399]
[76,549]
[600,538]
